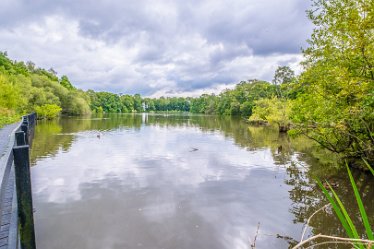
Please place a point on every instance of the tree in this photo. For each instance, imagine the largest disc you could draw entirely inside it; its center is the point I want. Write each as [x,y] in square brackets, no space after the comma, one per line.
[48,111]
[30,66]
[10,97]
[52,71]
[275,111]
[336,108]
[138,107]
[127,102]
[240,100]
[26,88]
[65,82]
[283,75]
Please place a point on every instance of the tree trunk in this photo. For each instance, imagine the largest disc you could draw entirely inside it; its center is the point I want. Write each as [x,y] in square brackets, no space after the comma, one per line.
[284,128]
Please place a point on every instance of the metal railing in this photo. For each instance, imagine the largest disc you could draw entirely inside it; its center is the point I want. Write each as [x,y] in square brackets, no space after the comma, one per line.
[17,161]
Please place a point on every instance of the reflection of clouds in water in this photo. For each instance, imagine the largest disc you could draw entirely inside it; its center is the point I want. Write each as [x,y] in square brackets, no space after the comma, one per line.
[220,190]
[134,156]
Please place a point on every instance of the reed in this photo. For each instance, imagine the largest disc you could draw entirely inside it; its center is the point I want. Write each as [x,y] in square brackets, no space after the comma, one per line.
[344,218]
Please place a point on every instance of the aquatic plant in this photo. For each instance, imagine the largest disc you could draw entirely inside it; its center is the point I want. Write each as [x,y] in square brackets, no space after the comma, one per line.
[344,218]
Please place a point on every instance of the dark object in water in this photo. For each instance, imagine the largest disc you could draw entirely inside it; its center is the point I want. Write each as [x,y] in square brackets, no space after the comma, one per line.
[194,149]
[280,148]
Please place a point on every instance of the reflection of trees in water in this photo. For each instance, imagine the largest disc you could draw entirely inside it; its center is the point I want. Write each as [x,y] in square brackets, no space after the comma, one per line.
[307,198]
[59,134]
[52,136]
[47,142]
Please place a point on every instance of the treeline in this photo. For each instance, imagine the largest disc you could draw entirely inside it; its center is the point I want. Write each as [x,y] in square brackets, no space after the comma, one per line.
[114,103]
[237,101]
[331,101]
[25,88]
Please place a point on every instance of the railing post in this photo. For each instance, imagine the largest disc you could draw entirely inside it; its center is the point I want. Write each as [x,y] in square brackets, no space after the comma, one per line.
[24,197]
[25,120]
[33,115]
[20,138]
[25,129]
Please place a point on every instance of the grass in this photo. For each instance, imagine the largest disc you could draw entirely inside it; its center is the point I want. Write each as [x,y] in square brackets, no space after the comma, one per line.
[353,237]
[369,167]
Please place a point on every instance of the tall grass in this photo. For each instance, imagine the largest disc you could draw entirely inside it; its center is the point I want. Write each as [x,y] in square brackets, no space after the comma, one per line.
[342,213]
[368,165]
[354,238]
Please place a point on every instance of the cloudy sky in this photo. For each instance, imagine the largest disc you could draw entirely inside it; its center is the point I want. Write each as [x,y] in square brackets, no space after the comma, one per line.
[155,48]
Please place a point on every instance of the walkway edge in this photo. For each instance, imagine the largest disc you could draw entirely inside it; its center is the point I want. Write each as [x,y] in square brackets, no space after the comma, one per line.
[5,158]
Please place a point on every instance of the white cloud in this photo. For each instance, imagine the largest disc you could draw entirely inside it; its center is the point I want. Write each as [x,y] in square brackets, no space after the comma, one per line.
[158,47]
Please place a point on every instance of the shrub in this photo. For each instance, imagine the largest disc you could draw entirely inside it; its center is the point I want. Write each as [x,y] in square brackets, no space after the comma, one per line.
[48,111]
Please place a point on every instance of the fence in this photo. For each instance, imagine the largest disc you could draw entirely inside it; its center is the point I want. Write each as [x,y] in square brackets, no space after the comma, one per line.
[17,222]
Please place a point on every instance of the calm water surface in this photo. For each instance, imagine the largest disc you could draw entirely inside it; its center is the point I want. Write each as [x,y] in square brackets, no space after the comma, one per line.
[178,182]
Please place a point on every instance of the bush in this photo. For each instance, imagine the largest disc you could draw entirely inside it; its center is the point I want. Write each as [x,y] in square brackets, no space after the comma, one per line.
[8,116]
[48,111]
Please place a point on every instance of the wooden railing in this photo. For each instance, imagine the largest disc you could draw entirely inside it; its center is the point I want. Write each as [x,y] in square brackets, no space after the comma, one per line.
[16,161]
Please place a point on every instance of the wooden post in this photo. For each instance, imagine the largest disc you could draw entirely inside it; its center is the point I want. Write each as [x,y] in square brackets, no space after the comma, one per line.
[25,121]
[25,129]
[20,138]
[24,197]
[33,118]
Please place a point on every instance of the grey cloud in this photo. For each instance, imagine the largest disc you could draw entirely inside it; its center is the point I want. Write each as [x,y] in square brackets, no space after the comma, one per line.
[265,26]
[228,53]
[271,27]
[184,45]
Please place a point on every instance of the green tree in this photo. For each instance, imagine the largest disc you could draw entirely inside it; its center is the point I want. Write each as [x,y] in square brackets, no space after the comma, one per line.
[10,97]
[241,99]
[336,108]
[65,82]
[138,107]
[127,102]
[48,111]
[275,111]
[283,77]
[26,87]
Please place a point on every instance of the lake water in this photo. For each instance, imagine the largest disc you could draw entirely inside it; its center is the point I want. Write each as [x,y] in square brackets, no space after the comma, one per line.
[178,182]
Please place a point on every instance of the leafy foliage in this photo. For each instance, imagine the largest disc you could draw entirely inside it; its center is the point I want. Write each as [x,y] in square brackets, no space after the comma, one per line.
[65,82]
[336,106]
[48,111]
[25,88]
[236,102]
[275,111]
[342,213]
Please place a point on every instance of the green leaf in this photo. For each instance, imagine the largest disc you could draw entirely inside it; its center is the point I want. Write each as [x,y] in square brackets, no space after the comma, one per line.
[336,208]
[346,216]
[368,165]
[365,219]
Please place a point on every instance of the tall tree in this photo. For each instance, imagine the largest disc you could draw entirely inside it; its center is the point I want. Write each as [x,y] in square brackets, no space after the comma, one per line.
[65,82]
[336,109]
[283,75]
[138,104]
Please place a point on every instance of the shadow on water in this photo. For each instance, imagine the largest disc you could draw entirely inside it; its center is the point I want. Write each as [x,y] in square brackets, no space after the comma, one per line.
[226,182]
